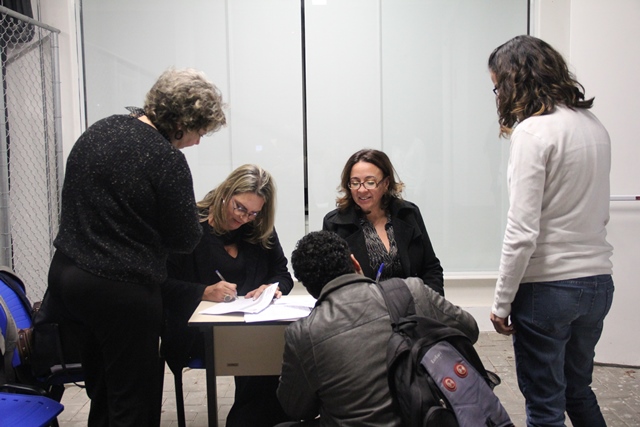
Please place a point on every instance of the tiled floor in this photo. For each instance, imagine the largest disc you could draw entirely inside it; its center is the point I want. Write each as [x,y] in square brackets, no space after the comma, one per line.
[617,388]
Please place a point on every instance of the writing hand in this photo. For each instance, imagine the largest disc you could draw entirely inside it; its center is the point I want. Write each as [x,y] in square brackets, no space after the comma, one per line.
[218,291]
[502,325]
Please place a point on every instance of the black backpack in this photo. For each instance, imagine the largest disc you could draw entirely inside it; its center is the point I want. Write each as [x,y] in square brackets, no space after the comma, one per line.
[435,375]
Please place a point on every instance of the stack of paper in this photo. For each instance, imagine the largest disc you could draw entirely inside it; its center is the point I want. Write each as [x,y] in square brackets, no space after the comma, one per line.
[265,308]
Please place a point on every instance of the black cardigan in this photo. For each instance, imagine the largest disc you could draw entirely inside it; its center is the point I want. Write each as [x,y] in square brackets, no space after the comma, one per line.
[414,246]
[190,274]
[127,202]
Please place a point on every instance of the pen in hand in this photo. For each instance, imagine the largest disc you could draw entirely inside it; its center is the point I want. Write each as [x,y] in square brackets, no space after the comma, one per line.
[379,272]
[227,297]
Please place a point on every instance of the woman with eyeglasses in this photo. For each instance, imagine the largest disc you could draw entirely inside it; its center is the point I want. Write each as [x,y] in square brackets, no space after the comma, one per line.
[386,234]
[239,255]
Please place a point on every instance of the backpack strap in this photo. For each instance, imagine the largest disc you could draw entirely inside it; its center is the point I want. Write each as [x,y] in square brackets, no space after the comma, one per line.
[398,298]
[7,374]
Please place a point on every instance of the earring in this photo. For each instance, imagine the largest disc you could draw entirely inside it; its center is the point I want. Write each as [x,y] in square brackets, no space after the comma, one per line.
[178,135]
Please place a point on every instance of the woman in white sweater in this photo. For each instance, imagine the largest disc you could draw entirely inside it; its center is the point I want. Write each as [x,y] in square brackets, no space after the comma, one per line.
[554,286]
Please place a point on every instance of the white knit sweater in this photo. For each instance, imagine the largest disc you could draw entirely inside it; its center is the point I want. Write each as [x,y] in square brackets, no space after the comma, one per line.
[558,179]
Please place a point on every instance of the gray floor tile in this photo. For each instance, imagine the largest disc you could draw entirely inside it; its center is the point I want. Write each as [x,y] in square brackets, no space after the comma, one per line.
[617,388]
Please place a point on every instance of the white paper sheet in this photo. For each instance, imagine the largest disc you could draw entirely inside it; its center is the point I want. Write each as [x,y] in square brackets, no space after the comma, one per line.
[244,305]
[291,307]
[278,312]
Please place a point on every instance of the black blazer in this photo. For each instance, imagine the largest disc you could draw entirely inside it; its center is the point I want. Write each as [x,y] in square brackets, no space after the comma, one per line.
[414,246]
[190,274]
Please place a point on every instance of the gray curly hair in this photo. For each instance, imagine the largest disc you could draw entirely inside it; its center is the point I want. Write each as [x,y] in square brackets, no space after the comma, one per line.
[184,99]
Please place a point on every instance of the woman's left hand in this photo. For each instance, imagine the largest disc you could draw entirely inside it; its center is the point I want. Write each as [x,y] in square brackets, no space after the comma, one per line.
[502,325]
[255,294]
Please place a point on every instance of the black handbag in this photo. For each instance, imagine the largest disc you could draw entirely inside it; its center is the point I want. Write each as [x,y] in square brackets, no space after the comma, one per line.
[52,351]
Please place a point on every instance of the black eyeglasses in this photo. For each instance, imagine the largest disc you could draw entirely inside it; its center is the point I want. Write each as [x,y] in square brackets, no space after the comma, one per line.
[495,91]
[369,184]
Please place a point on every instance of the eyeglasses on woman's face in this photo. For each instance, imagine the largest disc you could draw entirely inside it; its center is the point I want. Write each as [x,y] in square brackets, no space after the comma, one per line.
[495,91]
[242,212]
[368,184]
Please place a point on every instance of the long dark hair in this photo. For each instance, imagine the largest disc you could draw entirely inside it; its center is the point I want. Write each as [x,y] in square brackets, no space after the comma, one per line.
[531,79]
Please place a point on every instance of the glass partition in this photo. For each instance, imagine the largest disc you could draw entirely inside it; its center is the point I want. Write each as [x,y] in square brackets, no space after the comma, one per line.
[410,78]
[325,78]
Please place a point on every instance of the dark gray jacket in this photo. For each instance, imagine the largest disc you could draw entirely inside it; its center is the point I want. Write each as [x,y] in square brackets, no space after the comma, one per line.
[335,360]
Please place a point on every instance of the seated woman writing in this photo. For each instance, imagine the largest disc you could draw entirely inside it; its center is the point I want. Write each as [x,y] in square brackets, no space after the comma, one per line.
[240,245]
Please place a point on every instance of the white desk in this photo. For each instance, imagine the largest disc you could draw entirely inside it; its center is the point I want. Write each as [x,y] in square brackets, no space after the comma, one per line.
[234,347]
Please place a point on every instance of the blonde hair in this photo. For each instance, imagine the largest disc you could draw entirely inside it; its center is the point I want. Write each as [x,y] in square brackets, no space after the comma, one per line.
[245,179]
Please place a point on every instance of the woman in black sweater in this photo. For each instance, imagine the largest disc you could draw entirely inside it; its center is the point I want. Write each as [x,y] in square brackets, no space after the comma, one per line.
[239,244]
[127,202]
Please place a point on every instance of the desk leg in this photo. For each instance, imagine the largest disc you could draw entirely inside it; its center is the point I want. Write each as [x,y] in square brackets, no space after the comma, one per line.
[212,391]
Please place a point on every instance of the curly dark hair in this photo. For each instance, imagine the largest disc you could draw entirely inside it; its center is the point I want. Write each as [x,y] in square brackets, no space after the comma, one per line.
[184,99]
[382,161]
[320,257]
[531,79]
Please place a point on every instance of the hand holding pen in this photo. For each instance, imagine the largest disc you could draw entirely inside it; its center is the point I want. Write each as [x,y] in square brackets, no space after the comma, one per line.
[230,292]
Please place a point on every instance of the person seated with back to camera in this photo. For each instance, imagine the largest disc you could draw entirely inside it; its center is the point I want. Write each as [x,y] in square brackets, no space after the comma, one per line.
[239,255]
[379,226]
[335,359]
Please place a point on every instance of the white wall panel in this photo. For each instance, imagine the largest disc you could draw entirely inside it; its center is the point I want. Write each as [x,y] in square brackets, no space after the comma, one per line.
[343,92]
[440,124]
[265,101]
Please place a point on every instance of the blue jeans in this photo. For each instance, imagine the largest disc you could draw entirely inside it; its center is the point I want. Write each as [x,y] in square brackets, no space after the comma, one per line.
[558,325]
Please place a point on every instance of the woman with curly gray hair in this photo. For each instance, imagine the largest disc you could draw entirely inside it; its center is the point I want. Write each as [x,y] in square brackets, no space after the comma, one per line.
[554,286]
[183,106]
[127,202]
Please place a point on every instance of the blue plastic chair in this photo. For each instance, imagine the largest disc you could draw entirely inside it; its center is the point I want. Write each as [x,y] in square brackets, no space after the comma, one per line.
[15,298]
[26,406]
[22,410]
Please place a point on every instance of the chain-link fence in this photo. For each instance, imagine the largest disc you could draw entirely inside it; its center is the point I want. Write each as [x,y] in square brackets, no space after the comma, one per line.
[30,147]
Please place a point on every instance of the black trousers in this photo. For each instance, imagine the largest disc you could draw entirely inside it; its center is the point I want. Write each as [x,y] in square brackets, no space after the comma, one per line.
[255,403]
[118,326]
